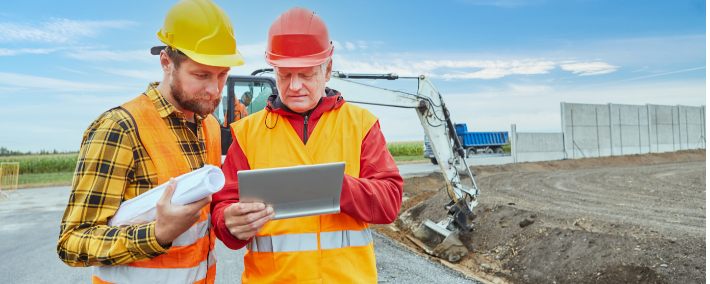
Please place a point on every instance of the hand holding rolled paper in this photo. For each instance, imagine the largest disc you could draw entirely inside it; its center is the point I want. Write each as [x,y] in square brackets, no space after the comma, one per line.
[191,187]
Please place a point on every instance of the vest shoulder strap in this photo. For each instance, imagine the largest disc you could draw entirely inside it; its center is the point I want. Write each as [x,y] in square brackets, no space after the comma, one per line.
[157,139]
[213,140]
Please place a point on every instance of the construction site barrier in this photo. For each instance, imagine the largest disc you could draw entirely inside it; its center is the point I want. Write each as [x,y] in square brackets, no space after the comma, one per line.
[9,177]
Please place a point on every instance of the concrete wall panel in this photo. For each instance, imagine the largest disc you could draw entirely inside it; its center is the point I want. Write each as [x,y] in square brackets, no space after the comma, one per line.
[539,142]
[486,161]
[590,130]
[540,157]
[602,130]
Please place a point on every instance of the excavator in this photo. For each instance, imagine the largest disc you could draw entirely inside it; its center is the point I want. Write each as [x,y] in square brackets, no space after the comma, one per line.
[440,238]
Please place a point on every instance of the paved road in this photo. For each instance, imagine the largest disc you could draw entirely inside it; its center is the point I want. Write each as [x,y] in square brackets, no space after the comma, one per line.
[418,169]
[425,168]
[29,229]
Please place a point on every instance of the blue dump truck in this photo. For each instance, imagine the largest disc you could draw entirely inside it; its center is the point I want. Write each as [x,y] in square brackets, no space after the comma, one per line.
[475,143]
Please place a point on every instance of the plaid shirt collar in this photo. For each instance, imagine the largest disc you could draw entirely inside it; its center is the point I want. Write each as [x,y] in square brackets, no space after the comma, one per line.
[164,107]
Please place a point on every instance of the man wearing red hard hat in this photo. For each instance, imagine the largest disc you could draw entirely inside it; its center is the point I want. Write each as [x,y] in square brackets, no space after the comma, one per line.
[308,123]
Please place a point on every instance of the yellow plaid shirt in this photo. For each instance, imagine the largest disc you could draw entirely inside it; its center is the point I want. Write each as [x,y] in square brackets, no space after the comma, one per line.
[113,167]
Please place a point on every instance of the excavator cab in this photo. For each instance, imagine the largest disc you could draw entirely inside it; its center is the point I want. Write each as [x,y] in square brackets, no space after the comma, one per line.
[261,87]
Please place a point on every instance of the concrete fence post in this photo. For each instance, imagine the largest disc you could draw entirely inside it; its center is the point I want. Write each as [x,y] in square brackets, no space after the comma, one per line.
[596,124]
[563,120]
[680,129]
[702,125]
[611,133]
[514,143]
[687,135]
[621,134]
[648,118]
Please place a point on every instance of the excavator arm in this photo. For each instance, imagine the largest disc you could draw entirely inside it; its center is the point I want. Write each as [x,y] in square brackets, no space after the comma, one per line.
[439,239]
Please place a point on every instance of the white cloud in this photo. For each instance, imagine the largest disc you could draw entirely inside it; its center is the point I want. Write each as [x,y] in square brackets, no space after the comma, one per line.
[155,75]
[337,45]
[362,44]
[589,68]
[36,82]
[109,55]
[73,71]
[530,89]
[648,76]
[57,30]
[463,69]
[252,50]
[486,69]
[350,46]
[93,100]
[13,52]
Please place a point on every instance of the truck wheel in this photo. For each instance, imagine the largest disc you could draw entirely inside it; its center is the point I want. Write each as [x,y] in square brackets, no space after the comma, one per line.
[499,150]
[489,151]
[470,153]
[433,161]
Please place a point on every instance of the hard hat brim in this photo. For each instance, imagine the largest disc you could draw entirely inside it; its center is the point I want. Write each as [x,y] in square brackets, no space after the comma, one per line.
[228,60]
[298,62]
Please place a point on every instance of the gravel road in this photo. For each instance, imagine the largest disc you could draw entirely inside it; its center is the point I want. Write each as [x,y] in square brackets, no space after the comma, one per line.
[668,197]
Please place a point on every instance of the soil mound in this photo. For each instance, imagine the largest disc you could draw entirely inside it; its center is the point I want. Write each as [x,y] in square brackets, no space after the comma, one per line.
[630,219]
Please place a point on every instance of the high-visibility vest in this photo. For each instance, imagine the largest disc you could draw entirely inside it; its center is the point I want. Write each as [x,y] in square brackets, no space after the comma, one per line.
[191,259]
[240,111]
[333,248]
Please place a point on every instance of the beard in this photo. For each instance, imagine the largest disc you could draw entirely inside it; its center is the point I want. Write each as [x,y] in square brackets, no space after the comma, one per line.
[193,103]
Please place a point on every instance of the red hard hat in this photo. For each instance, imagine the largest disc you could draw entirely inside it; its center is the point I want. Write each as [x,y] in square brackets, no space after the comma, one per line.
[298,38]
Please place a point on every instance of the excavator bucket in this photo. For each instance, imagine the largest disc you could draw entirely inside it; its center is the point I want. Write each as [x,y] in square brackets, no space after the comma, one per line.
[436,240]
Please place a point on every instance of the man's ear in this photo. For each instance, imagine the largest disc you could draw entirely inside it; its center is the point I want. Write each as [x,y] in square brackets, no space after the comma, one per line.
[166,63]
[329,70]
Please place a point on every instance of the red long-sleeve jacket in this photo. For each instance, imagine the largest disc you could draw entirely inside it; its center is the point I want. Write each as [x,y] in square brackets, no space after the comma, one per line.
[375,197]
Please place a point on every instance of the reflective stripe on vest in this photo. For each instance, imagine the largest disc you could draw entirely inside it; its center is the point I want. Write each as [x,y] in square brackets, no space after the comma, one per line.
[196,232]
[130,274]
[309,241]
[342,239]
[191,259]
[284,243]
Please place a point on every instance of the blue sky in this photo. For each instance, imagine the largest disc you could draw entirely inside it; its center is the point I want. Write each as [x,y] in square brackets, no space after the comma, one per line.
[497,62]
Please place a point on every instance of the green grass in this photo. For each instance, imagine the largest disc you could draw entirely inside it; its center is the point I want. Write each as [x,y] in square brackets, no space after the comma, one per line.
[408,158]
[413,148]
[506,148]
[45,178]
[36,164]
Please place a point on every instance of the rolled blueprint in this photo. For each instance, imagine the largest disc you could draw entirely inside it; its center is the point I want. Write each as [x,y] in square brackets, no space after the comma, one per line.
[191,187]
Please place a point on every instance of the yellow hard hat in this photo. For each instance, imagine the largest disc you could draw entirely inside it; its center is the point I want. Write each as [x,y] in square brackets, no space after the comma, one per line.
[203,32]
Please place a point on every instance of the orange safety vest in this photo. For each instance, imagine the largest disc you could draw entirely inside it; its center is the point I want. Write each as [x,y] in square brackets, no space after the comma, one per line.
[240,111]
[333,248]
[191,259]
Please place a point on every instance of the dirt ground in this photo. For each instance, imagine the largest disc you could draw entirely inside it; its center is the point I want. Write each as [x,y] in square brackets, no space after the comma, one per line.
[625,219]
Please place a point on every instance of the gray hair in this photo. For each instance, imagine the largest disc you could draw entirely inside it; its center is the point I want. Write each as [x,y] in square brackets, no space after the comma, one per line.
[324,66]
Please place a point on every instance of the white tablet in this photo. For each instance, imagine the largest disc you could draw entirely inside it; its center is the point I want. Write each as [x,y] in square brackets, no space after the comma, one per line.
[295,191]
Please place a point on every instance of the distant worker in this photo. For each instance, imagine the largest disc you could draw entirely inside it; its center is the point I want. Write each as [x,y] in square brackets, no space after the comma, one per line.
[163,133]
[240,108]
[307,123]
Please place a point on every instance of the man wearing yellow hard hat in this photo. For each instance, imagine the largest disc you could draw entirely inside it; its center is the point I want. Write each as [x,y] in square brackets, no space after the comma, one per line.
[163,133]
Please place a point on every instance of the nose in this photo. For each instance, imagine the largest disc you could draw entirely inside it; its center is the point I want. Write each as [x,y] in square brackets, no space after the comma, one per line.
[296,84]
[212,88]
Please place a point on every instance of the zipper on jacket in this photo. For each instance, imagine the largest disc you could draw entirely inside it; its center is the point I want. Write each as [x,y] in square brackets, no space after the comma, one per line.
[305,129]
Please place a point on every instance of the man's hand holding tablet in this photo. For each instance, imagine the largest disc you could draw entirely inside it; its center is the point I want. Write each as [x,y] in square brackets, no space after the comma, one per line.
[245,220]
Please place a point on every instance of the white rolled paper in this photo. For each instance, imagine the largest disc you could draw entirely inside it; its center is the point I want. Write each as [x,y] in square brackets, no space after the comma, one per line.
[191,187]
